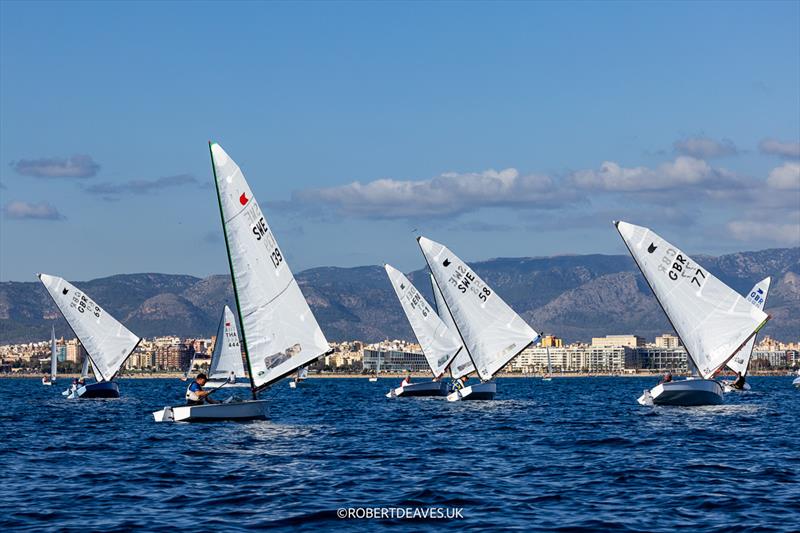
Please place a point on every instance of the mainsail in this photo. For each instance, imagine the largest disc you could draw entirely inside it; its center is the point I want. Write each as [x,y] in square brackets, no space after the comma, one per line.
[711,319]
[279,331]
[491,331]
[107,342]
[439,344]
[53,354]
[758,297]
[462,364]
[226,361]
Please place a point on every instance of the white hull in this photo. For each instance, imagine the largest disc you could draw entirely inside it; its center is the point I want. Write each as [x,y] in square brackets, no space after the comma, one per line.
[373,380]
[480,391]
[727,386]
[246,410]
[686,392]
[292,385]
[47,383]
[796,382]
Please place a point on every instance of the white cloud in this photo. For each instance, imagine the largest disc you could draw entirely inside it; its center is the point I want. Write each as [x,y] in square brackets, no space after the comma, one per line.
[684,171]
[445,195]
[772,232]
[783,149]
[26,210]
[704,147]
[76,166]
[785,177]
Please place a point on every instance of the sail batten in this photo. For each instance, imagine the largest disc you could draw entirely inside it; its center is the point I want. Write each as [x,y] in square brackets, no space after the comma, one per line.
[492,333]
[279,332]
[107,342]
[439,344]
[711,319]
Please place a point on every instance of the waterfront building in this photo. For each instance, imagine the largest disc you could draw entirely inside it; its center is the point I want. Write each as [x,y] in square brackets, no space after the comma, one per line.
[395,356]
[667,341]
[631,341]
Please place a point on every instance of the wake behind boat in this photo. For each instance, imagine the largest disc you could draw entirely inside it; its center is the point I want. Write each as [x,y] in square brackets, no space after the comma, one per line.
[490,331]
[279,333]
[107,342]
[711,319]
[439,344]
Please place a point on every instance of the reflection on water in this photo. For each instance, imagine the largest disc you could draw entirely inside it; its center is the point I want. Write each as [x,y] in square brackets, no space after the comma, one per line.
[567,454]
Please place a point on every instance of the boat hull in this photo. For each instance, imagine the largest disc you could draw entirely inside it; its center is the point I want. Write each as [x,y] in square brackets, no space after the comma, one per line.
[427,388]
[94,391]
[796,382]
[217,412]
[687,393]
[480,391]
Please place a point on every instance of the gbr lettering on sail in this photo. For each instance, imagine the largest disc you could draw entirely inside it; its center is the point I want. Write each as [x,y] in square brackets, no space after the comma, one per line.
[677,266]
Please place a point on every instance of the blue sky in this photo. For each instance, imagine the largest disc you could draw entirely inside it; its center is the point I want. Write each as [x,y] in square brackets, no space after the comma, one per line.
[499,129]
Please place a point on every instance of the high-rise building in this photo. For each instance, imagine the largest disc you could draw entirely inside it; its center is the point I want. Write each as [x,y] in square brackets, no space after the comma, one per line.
[551,341]
[667,341]
[631,341]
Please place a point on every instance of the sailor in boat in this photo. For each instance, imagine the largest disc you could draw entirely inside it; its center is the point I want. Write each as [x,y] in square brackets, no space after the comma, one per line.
[406,381]
[195,395]
[666,379]
[738,383]
[459,384]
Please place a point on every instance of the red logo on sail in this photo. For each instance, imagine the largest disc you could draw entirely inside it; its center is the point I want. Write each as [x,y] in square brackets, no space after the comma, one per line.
[227,324]
[243,199]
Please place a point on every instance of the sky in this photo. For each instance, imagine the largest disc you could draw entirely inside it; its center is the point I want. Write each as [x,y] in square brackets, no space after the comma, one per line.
[499,129]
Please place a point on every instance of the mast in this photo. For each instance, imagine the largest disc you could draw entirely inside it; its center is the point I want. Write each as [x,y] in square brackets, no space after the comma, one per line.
[53,356]
[253,390]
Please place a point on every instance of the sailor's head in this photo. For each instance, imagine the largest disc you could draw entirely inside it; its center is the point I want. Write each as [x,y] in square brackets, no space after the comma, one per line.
[668,375]
[201,379]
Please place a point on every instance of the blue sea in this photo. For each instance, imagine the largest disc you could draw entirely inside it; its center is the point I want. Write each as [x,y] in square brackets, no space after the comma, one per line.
[574,454]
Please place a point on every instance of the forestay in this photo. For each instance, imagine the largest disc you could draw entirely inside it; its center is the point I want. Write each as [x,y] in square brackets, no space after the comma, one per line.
[107,342]
[279,331]
[492,332]
[757,297]
[461,364]
[439,344]
[712,320]
[226,361]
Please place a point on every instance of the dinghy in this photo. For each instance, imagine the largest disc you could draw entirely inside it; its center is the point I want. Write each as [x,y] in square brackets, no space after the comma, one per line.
[374,378]
[741,361]
[107,342]
[796,381]
[301,376]
[439,344]
[49,380]
[490,331]
[227,367]
[279,333]
[548,376]
[711,319]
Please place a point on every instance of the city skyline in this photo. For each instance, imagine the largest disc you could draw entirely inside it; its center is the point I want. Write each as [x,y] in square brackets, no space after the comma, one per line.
[357,124]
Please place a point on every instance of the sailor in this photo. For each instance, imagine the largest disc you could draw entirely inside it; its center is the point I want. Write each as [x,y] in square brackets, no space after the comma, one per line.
[666,379]
[406,381]
[459,384]
[738,383]
[195,395]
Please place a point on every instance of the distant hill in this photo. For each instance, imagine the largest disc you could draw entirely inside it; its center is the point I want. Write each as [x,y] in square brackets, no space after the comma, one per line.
[575,297]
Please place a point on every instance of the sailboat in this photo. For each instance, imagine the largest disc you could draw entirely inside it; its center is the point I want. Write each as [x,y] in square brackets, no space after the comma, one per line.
[439,344]
[226,366]
[711,319]
[796,381]
[548,376]
[377,369]
[49,380]
[491,332]
[279,333]
[740,362]
[107,342]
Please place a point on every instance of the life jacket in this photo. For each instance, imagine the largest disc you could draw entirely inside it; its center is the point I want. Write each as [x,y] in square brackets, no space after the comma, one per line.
[191,395]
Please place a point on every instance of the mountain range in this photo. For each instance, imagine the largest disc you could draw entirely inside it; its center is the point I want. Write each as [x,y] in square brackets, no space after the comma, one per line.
[575,297]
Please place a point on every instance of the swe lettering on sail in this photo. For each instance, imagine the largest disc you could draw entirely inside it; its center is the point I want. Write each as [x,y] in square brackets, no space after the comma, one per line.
[465,280]
[262,234]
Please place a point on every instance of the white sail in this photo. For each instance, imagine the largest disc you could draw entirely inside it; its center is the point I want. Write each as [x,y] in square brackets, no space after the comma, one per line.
[107,342]
[461,364]
[439,344]
[758,297]
[279,331]
[491,331]
[712,320]
[85,367]
[53,354]
[226,361]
